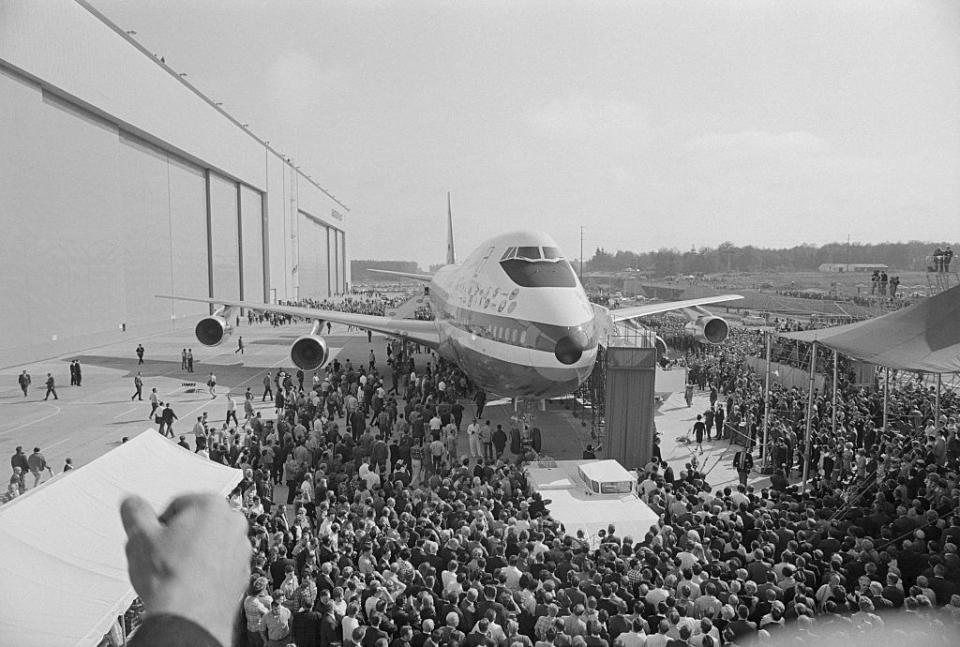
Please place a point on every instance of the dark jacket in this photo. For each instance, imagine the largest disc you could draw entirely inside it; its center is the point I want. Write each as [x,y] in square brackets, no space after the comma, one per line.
[307,628]
[172,631]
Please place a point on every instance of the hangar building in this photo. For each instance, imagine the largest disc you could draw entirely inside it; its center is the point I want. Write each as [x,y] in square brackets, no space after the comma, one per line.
[119,180]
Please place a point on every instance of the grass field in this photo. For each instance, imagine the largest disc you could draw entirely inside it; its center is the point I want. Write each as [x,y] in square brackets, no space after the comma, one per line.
[769,292]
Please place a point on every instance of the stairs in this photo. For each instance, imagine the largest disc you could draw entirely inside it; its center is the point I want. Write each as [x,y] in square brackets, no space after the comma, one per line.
[939,281]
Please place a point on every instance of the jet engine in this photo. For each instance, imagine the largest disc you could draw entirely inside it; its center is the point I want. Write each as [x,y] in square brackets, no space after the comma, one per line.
[709,328]
[213,330]
[309,352]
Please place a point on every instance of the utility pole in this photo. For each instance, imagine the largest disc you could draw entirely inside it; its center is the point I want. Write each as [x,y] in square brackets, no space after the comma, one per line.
[581,254]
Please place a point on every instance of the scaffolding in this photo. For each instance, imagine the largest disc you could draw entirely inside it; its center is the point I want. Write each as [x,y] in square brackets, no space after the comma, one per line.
[590,399]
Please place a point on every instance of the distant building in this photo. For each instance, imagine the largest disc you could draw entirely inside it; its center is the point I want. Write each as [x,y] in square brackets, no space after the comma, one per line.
[852,267]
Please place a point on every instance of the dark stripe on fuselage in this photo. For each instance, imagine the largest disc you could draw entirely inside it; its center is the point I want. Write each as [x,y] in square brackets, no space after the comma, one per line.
[511,330]
[502,377]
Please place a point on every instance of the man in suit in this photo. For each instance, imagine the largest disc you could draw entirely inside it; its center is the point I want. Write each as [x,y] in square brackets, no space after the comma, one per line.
[167,417]
[24,381]
[51,388]
[138,385]
[743,463]
[307,627]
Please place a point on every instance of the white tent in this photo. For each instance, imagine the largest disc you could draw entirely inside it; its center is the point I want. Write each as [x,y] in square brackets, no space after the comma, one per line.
[63,570]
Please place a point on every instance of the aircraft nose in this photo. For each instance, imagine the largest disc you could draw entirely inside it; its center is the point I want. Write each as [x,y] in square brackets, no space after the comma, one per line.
[570,348]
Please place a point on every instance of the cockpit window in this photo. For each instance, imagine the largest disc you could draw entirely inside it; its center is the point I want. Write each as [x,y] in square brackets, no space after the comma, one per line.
[539,274]
[552,253]
[509,253]
[531,253]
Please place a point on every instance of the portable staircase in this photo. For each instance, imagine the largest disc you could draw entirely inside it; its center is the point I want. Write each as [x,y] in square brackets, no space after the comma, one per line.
[939,281]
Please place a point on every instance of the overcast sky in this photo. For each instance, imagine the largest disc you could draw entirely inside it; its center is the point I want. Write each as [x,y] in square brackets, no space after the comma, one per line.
[651,124]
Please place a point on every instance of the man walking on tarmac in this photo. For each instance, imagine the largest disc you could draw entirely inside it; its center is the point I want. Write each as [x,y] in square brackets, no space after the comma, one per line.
[167,418]
[267,387]
[138,385]
[480,399]
[154,403]
[743,463]
[473,437]
[37,464]
[51,388]
[24,381]
[139,354]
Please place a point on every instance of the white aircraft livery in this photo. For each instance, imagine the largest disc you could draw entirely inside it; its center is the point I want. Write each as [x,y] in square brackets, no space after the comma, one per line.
[513,316]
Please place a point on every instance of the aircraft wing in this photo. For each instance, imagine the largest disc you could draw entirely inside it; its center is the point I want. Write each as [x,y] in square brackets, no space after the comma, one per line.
[406,275]
[419,332]
[624,314]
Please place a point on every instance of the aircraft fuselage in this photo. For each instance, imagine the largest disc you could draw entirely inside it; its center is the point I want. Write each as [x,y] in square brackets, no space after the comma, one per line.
[515,318]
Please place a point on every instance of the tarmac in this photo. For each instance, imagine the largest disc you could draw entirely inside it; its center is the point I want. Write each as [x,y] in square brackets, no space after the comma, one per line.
[89,420]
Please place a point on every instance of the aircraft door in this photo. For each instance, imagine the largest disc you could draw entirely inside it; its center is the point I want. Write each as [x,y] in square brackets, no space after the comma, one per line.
[483,261]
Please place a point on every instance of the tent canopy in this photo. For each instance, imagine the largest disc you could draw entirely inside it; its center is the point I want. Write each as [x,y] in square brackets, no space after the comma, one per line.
[922,337]
[63,576]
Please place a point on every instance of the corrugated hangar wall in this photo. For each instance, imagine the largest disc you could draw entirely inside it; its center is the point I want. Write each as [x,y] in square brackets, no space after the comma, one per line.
[105,204]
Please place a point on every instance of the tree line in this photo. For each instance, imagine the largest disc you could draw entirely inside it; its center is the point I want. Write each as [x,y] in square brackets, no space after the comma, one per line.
[728,257]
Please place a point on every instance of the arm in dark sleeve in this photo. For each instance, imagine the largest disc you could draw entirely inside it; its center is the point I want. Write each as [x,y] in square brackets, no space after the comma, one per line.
[172,631]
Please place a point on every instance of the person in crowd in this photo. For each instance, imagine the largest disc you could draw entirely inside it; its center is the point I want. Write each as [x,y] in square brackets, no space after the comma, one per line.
[37,464]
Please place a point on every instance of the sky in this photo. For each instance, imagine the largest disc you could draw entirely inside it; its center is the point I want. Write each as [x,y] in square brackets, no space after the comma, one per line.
[649,124]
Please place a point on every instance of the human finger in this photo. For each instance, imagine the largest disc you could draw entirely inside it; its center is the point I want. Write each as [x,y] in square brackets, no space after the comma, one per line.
[185,502]
[138,517]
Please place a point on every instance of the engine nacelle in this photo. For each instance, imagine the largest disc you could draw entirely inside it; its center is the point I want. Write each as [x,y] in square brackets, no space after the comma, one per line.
[309,352]
[709,329]
[212,331]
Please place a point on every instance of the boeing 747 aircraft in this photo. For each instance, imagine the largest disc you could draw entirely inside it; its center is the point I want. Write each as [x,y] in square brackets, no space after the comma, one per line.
[513,316]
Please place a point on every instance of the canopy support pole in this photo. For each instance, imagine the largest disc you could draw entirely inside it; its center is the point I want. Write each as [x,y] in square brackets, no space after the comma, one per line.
[936,403]
[886,395]
[806,435]
[766,406]
[836,371]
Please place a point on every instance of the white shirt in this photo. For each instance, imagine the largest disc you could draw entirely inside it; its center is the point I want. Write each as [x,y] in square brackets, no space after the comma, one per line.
[348,625]
[630,639]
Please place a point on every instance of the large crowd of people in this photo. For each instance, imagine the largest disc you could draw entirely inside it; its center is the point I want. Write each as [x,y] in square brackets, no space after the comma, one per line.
[390,537]
[371,526]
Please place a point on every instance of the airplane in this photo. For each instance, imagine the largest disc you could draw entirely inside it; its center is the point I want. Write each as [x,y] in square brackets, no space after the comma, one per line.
[513,316]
